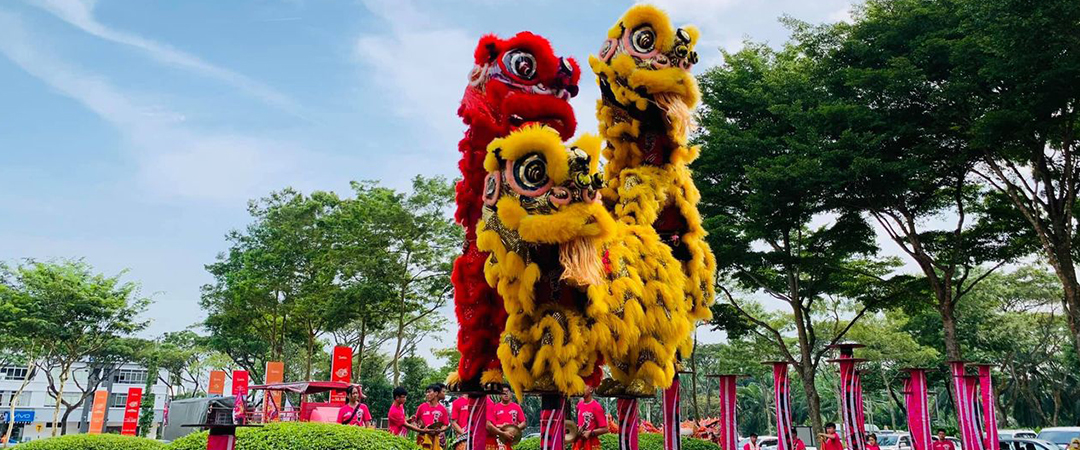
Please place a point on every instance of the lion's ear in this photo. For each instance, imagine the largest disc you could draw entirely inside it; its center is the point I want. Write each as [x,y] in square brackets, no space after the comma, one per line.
[487,49]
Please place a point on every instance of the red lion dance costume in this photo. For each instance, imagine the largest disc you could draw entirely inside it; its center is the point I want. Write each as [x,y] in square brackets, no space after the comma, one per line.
[514,82]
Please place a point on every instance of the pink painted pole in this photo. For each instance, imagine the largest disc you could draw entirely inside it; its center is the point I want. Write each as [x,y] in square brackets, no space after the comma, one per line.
[986,389]
[552,422]
[628,423]
[477,432]
[918,409]
[782,392]
[671,416]
[729,431]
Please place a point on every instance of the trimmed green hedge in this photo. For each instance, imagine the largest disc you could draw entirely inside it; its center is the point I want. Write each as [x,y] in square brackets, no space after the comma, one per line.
[93,442]
[303,436]
[646,441]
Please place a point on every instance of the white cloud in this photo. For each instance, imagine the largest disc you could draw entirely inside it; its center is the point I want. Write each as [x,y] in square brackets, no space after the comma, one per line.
[421,64]
[80,13]
[172,159]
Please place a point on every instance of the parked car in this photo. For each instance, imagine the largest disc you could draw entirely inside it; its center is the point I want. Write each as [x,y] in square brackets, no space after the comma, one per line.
[1059,435]
[1023,434]
[765,442]
[1010,443]
[894,441]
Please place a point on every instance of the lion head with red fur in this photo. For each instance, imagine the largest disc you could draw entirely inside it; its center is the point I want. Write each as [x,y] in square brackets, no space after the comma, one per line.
[518,81]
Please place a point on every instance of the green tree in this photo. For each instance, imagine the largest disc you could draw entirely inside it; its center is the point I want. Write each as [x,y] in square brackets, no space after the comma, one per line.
[770,174]
[1025,67]
[421,241]
[74,314]
[899,104]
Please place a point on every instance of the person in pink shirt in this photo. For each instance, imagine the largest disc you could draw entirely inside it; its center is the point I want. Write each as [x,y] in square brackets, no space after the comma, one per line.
[941,443]
[433,418]
[508,412]
[591,422]
[398,426]
[871,442]
[830,439]
[753,444]
[459,420]
[353,412]
[799,444]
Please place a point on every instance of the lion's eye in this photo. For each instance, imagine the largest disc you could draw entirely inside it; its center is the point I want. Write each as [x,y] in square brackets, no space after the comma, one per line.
[643,39]
[530,172]
[520,63]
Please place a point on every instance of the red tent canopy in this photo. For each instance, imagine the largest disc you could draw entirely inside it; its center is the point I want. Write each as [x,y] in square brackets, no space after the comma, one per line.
[304,387]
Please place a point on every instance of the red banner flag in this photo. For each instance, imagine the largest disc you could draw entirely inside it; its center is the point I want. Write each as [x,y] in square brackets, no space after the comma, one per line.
[729,428]
[918,409]
[628,423]
[275,373]
[131,412]
[671,416]
[851,406]
[239,382]
[782,398]
[341,370]
[989,410]
[97,413]
[965,407]
[217,383]
[552,422]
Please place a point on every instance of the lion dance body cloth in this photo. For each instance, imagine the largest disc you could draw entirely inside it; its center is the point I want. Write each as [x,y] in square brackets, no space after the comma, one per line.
[513,82]
[590,269]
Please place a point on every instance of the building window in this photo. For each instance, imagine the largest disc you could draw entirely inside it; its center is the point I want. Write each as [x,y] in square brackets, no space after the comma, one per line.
[13,373]
[117,400]
[70,397]
[6,396]
[130,376]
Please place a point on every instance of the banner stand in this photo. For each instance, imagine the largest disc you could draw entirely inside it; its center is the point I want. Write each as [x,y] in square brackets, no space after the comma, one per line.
[851,402]
[917,404]
[782,398]
[729,422]
[552,421]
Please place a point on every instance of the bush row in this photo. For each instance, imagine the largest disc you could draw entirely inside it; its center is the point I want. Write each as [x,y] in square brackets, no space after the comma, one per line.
[646,441]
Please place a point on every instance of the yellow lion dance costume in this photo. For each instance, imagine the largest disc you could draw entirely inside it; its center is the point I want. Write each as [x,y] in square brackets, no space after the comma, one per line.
[610,270]
[645,113]
[580,287]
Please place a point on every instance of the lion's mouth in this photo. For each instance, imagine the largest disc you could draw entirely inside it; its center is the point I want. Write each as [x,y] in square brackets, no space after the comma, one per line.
[523,109]
[516,121]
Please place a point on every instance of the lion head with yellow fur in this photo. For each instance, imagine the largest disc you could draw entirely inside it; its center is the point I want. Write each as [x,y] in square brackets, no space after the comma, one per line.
[581,290]
[648,92]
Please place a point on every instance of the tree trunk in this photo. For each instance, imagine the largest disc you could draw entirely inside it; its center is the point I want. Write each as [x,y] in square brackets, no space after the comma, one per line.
[813,400]
[59,397]
[310,351]
[806,369]
[360,351]
[948,324]
[401,317]
[15,401]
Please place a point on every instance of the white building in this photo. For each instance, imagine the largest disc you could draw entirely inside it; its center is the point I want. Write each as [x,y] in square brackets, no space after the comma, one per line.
[34,408]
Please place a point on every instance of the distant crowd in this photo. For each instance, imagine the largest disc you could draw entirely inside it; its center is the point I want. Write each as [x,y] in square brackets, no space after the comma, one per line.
[438,429]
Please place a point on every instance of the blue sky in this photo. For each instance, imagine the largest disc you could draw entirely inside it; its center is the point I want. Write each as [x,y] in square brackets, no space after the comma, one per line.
[132,132]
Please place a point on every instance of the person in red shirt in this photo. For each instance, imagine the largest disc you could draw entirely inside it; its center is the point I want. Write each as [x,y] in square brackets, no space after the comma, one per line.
[941,443]
[871,442]
[830,439]
[398,426]
[433,418]
[459,420]
[591,422]
[353,412]
[506,414]
[753,444]
[799,444]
